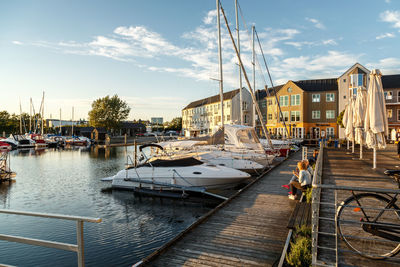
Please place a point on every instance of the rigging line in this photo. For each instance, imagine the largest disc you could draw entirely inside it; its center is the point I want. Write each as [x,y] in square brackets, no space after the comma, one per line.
[266,66]
[272,84]
[259,70]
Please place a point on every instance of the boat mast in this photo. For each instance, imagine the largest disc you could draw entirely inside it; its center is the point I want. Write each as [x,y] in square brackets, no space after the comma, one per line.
[42,113]
[60,122]
[72,133]
[221,85]
[254,77]
[240,68]
[30,116]
[20,117]
[247,80]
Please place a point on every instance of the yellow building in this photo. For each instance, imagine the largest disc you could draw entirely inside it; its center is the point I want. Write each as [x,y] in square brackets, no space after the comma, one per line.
[309,109]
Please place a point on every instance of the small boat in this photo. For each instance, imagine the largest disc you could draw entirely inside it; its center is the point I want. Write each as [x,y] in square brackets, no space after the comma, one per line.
[77,141]
[4,146]
[178,174]
[23,141]
[39,140]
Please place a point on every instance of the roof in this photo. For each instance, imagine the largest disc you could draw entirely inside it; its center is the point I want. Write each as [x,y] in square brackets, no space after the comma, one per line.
[212,99]
[132,125]
[391,81]
[260,94]
[356,65]
[86,129]
[318,85]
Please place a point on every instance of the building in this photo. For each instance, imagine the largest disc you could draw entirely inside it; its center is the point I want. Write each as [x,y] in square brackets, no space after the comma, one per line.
[204,116]
[356,76]
[53,123]
[157,121]
[265,99]
[391,88]
[132,128]
[309,109]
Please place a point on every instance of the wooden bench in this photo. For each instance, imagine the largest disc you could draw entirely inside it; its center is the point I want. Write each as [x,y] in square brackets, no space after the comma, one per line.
[300,215]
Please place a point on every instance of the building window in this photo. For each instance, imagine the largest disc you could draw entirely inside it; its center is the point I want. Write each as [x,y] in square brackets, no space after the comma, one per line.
[316,114]
[263,103]
[356,80]
[289,89]
[398,114]
[270,116]
[398,96]
[284,100]
[295,116]
[388,95]
[264,117]
[269,102]
[330,97]
[295,100]
[285,115]
[344,80]
[316,97]
[228,117]
[389,113]
[330,114]
[330,132]
[244,105]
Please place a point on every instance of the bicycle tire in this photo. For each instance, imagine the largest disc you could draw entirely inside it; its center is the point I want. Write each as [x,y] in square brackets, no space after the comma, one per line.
[353,242]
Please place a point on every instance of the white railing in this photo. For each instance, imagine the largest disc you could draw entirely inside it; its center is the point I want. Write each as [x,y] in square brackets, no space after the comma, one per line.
[78,248]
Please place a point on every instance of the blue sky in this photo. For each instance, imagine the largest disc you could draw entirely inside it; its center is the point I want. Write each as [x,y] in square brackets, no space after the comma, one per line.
[160,55]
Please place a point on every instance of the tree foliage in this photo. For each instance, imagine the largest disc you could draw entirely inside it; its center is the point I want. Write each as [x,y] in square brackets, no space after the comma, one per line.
[339,120]
[9,123]
[175,124]
[108,112]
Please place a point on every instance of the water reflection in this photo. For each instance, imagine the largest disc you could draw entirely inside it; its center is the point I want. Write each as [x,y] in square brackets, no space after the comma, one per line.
[67,181]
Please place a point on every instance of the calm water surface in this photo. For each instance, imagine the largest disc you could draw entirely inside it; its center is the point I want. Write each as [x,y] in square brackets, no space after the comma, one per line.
[68,182]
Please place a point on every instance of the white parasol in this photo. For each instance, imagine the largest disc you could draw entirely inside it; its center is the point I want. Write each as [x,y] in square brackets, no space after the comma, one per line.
[376,123]
[359,110]
[348,122]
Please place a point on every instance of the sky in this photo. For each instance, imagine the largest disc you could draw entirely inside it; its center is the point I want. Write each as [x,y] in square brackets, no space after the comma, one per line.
[159,56]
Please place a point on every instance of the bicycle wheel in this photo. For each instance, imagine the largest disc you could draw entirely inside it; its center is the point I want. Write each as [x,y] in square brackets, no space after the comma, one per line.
[350,219]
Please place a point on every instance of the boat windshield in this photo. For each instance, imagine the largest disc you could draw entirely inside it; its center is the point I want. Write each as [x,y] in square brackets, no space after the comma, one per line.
[247,136]
[184,162]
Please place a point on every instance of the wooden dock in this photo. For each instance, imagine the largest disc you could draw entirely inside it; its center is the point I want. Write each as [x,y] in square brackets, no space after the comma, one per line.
[342,168]
[249,229]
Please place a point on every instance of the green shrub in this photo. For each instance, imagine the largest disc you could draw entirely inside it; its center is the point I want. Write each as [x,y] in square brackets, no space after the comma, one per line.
[300,248]
[309,195]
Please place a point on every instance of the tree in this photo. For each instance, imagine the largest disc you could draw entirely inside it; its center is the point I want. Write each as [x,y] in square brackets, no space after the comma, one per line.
[175,124]
[108,112]
[339,120]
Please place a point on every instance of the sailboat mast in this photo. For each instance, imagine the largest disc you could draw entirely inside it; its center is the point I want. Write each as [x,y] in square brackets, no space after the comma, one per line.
[20,117]
[30,116]
[240,68]
[42,113]
[254,76]
[72,121]
[221,85]
[60,122]
[247,80]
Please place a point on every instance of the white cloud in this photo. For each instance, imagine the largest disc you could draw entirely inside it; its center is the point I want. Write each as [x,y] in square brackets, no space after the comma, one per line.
[316,23]
[391,17]
[387,1]
[388,65]
[17,42]
[329,42]
[385,35]
[211,17]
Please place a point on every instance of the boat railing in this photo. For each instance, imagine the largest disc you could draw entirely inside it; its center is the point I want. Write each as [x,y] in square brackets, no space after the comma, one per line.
[78,248]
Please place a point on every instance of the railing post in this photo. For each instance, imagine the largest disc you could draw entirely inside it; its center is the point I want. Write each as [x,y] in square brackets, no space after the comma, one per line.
[80,243]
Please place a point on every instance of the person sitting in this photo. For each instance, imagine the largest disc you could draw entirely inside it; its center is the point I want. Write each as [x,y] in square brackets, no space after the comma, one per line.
[304,180]
[296,174]
[309,168]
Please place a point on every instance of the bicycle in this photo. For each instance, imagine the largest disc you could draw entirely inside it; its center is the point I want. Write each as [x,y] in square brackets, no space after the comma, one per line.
[369,223]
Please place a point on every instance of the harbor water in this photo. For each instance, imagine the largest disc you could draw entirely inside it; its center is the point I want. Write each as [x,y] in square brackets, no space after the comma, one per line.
[69,182]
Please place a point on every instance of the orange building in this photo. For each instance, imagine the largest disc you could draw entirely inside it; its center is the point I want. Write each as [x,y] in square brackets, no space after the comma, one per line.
[309,109]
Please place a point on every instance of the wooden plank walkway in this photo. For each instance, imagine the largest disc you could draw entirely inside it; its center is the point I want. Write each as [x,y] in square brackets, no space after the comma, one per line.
[247,230]
[345,169]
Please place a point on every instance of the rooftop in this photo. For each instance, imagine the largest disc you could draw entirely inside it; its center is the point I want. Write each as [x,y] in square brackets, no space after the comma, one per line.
[391,81]
[212,99]
[318,85]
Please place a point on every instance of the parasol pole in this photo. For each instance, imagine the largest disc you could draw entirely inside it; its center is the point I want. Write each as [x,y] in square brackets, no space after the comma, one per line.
[374,160]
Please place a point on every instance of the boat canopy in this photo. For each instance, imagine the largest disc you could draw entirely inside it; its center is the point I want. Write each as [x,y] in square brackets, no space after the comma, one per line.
[183,162]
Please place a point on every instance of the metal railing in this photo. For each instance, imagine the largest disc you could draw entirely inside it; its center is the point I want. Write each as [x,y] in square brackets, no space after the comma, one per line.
[335,237]
[78,248]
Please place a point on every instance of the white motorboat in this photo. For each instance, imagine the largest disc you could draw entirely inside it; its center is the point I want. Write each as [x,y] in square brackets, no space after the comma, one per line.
[178,174]
[23,141]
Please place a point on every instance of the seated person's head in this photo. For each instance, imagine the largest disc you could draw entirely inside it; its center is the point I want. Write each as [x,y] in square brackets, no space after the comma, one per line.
[306,162]
[301,165]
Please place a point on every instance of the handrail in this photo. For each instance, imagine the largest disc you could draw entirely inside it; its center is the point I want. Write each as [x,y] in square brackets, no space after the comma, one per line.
[78,248]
